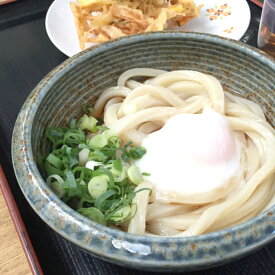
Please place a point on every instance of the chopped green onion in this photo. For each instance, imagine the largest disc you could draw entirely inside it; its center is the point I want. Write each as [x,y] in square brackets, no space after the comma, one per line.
[70,184]
[137,152]
[98,141]
[109,134]
[106,173]
[82,146]
[72,161]
[117,167]
[129,143]
[55,135]
[112,137]
[97,155]
[87,108]
[121,214]
[83,156]
[51,170]
[58,189]
[56,177]
[85,200]
[82,173]
[74,136]
[118,170]
[99,202]
[143,189]
[73,123]
[93,214]
[57,185]
[55,161]
[102,128]
[93,173]
[87,123]
[145,174]
[134,175]
[97,186]
[91,164]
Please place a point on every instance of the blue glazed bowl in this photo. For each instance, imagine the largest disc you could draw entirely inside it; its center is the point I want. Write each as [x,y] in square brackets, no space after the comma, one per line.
[62,93]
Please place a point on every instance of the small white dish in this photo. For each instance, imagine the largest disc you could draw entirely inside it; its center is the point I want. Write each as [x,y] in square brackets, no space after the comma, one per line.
[227,18]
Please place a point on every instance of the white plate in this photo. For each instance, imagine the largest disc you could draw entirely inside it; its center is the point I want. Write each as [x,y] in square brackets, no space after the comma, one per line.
[227,18]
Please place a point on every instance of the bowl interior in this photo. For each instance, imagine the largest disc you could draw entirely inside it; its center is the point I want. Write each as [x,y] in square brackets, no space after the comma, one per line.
[62,94]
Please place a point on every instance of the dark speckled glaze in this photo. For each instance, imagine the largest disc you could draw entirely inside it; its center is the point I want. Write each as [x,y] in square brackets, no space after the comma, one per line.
[59,97]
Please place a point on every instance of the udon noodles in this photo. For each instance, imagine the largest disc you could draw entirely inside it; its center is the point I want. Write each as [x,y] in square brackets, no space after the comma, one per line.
[134,109]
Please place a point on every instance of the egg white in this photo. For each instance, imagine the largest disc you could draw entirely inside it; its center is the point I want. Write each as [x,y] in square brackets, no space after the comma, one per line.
[193,158]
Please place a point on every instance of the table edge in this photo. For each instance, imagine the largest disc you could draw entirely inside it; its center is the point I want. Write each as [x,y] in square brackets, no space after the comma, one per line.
[19,225]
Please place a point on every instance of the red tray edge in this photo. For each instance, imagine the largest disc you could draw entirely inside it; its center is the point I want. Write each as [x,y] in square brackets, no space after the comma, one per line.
[19,225]
[6,2]
[257,2]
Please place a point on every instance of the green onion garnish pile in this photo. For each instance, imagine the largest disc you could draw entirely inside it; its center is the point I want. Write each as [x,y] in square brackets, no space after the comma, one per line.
[90,171]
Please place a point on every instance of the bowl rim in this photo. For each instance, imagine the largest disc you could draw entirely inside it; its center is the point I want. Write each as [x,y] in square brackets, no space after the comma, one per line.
[26,173]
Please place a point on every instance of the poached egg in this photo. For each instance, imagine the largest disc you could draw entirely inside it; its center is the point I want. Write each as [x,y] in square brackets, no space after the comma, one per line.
[193,158]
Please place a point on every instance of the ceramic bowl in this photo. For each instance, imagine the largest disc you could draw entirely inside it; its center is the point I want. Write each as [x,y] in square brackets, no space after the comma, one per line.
[62,93]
